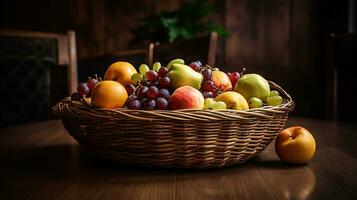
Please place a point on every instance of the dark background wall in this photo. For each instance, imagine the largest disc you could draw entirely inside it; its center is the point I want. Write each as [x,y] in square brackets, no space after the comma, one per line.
[281,39]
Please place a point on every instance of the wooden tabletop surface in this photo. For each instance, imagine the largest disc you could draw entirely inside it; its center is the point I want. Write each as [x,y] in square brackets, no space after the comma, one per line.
[41,161]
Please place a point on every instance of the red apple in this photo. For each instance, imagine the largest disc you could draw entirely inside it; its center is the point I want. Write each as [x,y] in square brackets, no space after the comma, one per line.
[186,97]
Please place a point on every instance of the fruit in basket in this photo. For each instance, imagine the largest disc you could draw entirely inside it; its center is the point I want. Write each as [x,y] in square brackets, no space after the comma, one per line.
[196,65]
[233,100]
[186,97]
[130,88]
[208,102]
[156,66]
[253,85]
[143,68]
[295,145]
[255,102]
[109,94]
[274,100]
[162,103]
[152,76]
[120,72]
[164,93]
[274,93]
[83,89]
[163,71]
[175,61]
[183,75]
[219,105]
[233,77]
[207,74]
[164,82]
[221,80]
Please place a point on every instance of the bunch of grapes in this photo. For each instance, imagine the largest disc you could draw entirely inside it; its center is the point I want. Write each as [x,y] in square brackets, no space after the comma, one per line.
[208,89]
[85,89]
[149,89]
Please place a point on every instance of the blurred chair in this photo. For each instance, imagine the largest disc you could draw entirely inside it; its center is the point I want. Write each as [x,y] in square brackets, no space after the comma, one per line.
[341,77]
[201,48]
[27,64]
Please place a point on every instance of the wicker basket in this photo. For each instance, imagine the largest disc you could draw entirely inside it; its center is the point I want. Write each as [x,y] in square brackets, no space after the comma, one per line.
[175,138]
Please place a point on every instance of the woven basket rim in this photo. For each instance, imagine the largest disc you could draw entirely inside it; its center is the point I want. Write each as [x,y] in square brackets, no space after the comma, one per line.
[67,107]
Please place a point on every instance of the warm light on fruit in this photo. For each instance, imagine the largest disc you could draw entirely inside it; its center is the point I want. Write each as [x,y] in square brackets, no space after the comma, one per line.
[253,85]
[221,80]
[120,72]
[233,100]
[186,97]
[295,145]
[109,94]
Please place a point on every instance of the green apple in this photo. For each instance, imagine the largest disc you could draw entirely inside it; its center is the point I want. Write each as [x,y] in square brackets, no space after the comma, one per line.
[182,75]
[253,85]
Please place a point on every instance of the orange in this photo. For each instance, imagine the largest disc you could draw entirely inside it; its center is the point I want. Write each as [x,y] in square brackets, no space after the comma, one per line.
[120,72]
[109,94]
[295,145]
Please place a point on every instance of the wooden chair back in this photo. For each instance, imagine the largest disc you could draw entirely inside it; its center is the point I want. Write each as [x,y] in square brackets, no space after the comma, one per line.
[26,61]
[201,48]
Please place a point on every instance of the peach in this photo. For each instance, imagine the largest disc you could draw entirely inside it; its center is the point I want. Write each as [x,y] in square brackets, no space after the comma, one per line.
[295,145]
[120,72]
[186,97]
[221,80]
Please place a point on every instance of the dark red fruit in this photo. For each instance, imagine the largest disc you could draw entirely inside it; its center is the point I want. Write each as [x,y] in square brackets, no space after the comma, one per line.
[207,86]
[207,74]
[164,82]
[152,76]
[150,104]
[162,103]
[163,71]
[83,89]
[130,88]
[234,77]
[142,92]
[152,92]
[135,104]
[91,83]
[164,93]
[195,66]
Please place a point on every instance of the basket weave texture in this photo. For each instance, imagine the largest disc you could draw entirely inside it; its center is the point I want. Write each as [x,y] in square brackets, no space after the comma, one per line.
[175,138]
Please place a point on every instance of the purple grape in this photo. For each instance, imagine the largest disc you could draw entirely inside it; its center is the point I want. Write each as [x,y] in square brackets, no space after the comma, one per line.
[199,63]
[91,83]
[164,82]
[135,104]
[83,89]
[207,74]
[162,103]
[207,85]
[163,71]
[149,104]
[142,92]
[164,93]
[207,94]
[130,88]
[152,92]
[131,98]
[152,76]
[195,66]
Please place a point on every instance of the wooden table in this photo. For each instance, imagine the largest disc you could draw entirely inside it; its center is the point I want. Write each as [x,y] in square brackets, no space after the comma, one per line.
[41,161]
